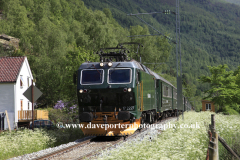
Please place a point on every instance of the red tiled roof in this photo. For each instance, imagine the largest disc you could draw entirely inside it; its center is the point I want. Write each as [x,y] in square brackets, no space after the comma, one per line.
[9,68]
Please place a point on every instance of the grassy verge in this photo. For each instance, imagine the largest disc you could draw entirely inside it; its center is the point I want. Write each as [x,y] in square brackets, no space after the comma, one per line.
[23,141]
[228,127]
[178,143]
[26,141]
[173,143]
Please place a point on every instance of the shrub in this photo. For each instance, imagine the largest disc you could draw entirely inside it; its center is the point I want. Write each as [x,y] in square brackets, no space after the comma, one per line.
[66,112]
[229,110]
[57,115]
[66,135]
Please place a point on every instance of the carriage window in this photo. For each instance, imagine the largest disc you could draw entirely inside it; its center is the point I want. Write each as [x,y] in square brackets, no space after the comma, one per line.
[170,92]
[165,90]
[174,94]
[92,76]
[119,76]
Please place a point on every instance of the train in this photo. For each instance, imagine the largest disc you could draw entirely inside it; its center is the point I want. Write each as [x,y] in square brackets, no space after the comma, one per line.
[119,90]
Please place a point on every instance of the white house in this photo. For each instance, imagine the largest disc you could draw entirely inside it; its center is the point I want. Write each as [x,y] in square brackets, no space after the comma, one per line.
[15,78]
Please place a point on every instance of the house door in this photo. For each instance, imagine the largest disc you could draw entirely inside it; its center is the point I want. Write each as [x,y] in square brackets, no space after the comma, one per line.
[2,116]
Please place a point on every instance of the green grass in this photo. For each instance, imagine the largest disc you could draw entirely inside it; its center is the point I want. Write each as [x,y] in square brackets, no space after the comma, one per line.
[173,143]
[26,141]
[179,143]
[228,127]
[23,141]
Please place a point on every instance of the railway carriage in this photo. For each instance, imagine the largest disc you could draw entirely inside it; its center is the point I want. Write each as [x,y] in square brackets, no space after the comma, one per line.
[119,91]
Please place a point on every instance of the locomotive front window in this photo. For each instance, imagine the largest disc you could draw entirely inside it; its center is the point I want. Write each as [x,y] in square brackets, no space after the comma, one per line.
[119,76]
[92,77]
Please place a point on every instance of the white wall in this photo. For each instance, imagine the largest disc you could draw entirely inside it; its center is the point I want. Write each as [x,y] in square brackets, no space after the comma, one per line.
[7,97]
[25,73]
[7,102]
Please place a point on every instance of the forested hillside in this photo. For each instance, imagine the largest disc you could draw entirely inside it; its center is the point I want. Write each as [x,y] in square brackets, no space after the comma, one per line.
[210,31]
[58,35]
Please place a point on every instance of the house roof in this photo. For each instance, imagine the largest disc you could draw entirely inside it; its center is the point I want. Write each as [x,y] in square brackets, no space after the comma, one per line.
[9,68]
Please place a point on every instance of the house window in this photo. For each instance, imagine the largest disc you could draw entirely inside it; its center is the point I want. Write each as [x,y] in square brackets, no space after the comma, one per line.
[21,104]
[21,82]
[208,106]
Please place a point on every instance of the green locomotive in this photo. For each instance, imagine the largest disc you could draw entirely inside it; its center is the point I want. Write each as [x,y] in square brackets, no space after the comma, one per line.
[120,91]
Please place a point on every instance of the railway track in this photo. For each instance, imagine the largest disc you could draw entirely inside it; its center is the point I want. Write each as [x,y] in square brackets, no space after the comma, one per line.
[64,150]
[129,137]
[92,146]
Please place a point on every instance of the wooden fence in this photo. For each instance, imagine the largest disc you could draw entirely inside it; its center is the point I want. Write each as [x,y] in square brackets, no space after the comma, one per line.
[37,114]
[212,153]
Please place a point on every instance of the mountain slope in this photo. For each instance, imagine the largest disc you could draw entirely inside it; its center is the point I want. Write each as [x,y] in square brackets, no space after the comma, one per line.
[210,30]
[233,1]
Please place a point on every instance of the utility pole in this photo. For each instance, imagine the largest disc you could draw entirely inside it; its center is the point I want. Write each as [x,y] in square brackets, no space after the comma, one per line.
[32,94]
[178,61]
[32,107]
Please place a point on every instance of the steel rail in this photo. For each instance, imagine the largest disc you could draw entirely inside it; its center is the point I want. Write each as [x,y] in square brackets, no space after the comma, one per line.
[64,150]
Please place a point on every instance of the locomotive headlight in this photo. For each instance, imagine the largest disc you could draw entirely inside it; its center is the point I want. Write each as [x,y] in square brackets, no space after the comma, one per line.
[101,64]
[80,91]
[110,64]
[129,89]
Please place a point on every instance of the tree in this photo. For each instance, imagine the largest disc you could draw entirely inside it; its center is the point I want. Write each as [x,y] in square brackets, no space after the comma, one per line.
[224,86]
[156,49]
[74,59]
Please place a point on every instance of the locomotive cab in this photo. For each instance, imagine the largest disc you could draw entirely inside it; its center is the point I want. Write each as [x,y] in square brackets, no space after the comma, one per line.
[106,88]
